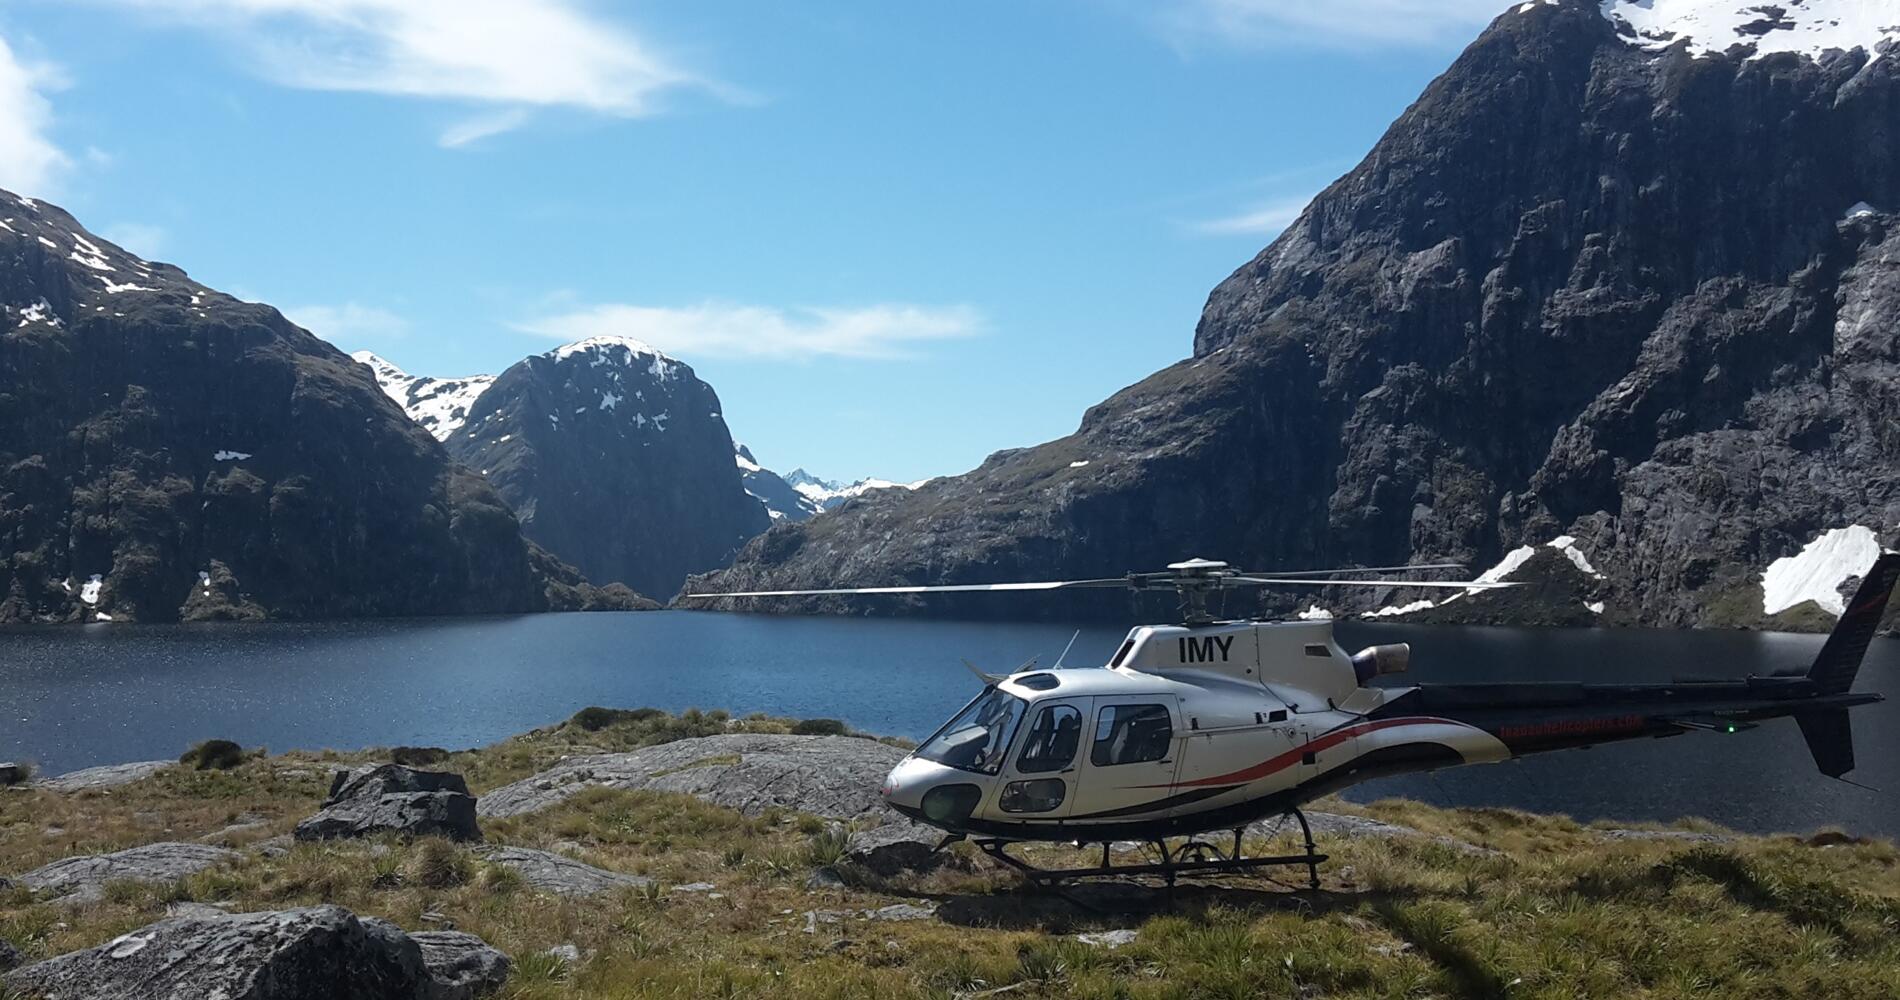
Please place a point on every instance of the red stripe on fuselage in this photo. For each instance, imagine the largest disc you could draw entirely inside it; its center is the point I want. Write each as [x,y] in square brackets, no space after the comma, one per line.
[1320,744]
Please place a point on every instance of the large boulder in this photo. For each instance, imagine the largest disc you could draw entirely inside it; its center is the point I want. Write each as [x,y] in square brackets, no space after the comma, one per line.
[461,966]
[560,875]
[318,953]
[84,878]
[394,799]
[832,776]
[895,847]
[9,955]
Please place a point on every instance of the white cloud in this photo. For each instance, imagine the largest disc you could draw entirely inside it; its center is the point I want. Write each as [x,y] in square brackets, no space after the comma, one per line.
[1332,23]
[139,238]
[30,163]
[727,330]
[480,127]
[518,53]
[349,324]
[1269,219]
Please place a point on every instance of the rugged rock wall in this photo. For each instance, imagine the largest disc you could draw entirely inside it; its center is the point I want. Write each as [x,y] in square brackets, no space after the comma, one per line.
[617,459]
[171,452]
[1582,286]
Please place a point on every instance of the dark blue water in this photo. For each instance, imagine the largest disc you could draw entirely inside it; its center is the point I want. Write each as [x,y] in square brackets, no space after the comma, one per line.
[72,698]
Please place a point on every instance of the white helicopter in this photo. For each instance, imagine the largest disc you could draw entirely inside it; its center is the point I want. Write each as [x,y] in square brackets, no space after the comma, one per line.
[1212,725]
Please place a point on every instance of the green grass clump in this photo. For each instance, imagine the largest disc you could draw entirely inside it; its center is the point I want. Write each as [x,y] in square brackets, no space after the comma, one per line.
[213,755]
[820,727]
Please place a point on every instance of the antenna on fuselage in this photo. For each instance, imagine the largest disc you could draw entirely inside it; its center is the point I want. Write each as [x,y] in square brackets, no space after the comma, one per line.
[1065,650]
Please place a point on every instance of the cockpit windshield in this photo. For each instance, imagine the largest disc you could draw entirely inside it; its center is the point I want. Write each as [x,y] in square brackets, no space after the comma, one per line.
[978,738]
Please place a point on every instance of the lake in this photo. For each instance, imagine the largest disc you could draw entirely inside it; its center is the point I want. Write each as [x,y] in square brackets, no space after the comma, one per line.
[75,697]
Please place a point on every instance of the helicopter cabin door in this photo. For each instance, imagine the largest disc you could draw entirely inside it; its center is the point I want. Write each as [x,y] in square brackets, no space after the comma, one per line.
[1040,780]
[1130,758]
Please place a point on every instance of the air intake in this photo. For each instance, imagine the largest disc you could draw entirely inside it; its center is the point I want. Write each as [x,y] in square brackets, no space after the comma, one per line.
[1377,661]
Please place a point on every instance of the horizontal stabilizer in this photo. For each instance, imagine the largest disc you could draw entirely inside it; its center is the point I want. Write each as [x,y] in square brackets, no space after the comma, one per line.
[1830,739]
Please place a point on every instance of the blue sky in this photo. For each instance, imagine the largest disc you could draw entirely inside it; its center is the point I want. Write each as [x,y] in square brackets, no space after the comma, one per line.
[895,237]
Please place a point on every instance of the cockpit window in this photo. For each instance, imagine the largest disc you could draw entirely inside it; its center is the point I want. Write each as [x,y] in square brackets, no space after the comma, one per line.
[978,737]
[1129,734]
[1052,740]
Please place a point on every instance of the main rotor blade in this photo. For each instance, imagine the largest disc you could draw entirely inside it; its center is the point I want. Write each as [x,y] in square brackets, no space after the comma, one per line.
[1355,569]
[1275,581]
[962,588]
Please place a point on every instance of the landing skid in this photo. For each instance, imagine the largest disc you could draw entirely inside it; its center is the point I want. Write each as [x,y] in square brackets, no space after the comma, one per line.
[1195,857]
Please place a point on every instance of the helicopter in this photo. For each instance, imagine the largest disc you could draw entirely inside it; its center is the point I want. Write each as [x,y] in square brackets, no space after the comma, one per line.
[1212,725]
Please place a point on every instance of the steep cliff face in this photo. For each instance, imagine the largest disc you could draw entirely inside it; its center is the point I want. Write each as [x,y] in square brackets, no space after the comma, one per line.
[171,452]
[1626,272]
[616,458]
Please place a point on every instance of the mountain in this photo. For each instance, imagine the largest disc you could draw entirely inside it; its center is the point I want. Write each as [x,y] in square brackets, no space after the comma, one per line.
[828,494]
[174,453]
[782,501]
[614,456]
[440,405]
[1627,272]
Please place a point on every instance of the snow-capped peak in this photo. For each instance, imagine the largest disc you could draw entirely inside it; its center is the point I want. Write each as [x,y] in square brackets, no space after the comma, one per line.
[1807,27]
[623,350]
[440,405]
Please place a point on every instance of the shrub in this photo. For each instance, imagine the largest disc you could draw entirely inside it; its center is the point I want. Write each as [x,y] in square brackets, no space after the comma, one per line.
[594,718]
[418,756]
[213,755]
[439,864]
[819,727]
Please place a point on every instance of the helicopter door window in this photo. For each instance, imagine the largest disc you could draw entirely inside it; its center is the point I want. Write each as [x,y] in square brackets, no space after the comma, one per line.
[1131,734]
[1052,741]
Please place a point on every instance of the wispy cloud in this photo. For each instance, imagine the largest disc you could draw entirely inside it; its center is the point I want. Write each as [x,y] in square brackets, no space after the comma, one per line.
[30,163]
[144,240]
[473,130]
[728,330]
[1330,23]
[1268,219]
[350,325]
[518,54]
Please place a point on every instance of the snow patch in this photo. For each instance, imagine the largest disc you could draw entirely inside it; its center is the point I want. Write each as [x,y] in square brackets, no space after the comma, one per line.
[100,616]
[440,405]
[204,580]
[622,350]
[1078,465]
[1316,614]
[1390,610]
[1860,208]
[746,464]
[93,261]
[1567,544]
[1596,607]
[4,225]
[90,592]
[39,312]
[1710,27]
[229,456]
[608,400]
[114,289]
[1816,574]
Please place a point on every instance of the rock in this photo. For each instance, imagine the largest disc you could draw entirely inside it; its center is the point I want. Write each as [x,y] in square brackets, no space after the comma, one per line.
[12,774]
[566,952]
[559,874]
[901,911]
[275,847]
[84,878]
[895,847]
[461,966]
[9,955]
[825,878]
[317,953]
[1684,836]
[1109,939]
[394,798]
[106,776]
[692,887]
[831,776]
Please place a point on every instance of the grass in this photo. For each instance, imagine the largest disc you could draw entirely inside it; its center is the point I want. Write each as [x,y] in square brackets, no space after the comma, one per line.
[1559,910]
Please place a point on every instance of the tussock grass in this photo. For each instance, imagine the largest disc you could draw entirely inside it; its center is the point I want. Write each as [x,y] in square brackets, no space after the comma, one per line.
[1560,910]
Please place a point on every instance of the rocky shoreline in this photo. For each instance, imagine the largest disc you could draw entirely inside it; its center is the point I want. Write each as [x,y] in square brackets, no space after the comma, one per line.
[548,865]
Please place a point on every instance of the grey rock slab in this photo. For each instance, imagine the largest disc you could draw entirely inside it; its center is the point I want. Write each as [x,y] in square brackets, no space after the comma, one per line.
[901,911]
[835,776]
[394,799]
[107,776]
[897,846]
[316,953]
[461,966]
[86,876]
[559,874]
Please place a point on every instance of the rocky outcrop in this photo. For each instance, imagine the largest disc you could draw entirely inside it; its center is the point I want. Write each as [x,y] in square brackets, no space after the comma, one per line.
[83,879]
[831,776]
[782,501]
[392,798]
[461,966]
[1645,296]
[317,953]
[559,874]
[894,847]
[617,459]
[105,776]
[173,452]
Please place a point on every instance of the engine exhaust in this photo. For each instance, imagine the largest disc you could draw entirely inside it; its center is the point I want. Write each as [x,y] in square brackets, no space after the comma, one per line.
[1377,661]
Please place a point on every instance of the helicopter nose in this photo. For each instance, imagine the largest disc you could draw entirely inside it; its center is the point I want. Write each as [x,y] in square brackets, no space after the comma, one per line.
[905,786]
[939,795]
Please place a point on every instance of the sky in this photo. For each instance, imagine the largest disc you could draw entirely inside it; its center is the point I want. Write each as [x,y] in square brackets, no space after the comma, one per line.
[894,237]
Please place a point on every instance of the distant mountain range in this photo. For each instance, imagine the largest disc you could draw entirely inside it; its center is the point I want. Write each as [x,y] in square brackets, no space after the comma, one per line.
[171,452]
[1625,277]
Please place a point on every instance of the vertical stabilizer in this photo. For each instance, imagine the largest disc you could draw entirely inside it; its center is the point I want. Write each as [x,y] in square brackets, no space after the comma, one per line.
[1834,669]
